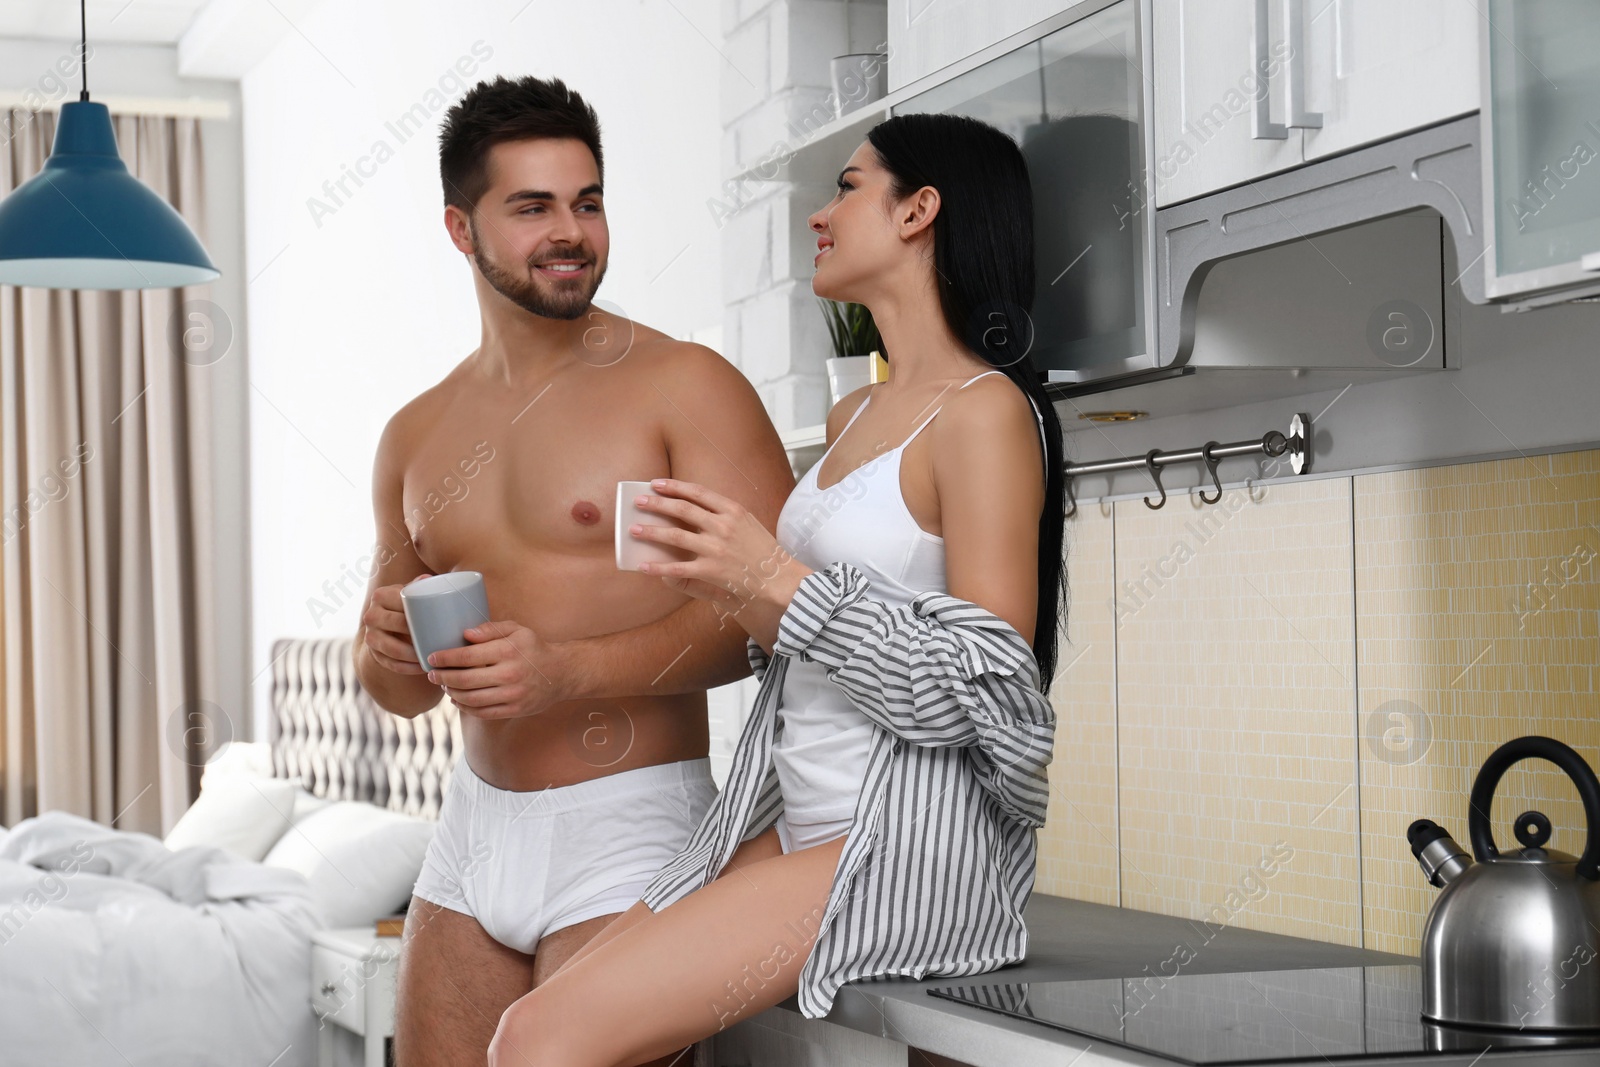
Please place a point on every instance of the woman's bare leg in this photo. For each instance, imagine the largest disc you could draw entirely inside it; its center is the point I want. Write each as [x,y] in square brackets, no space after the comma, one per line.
[723,953]
[763,846]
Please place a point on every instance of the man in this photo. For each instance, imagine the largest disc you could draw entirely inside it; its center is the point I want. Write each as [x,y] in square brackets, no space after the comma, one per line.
[583,701]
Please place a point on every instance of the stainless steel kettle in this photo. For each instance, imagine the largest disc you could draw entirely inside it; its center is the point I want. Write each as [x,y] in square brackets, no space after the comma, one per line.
[1514,940]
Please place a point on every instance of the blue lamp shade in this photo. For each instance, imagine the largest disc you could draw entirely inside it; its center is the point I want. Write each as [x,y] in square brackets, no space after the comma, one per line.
[84,222]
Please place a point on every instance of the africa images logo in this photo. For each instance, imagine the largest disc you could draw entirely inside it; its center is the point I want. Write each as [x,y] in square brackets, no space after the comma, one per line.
[414,120]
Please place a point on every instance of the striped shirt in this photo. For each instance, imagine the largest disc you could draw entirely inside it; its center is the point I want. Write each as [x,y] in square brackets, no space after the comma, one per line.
[939,860]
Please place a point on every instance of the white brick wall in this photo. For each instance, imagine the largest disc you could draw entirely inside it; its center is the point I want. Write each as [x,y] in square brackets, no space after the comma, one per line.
[776,90]
[775,93]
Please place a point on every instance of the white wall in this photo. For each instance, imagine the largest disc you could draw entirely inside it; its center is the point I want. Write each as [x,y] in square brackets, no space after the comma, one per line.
[356,312]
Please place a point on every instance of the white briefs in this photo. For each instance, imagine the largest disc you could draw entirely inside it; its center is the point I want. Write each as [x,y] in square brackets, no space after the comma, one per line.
[525,864]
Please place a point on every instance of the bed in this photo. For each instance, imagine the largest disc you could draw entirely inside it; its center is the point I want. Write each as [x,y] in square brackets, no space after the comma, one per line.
[119,947]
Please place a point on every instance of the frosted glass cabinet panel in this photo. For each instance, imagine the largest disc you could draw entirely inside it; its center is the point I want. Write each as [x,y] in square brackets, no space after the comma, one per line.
[1071,100]
[1544,132]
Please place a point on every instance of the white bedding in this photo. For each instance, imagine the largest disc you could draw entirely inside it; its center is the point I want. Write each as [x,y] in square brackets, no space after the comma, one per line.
[115,949]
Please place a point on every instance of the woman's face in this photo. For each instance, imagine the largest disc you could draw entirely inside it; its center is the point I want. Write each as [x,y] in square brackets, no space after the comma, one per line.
[857,241]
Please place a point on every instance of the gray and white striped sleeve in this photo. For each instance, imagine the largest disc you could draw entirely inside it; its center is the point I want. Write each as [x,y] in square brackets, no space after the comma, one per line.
[939,672]
[757,657]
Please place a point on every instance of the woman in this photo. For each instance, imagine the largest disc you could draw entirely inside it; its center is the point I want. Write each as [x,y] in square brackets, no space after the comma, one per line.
[879,816]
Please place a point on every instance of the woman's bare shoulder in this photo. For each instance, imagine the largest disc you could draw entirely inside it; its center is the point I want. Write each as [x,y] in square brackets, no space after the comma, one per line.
[987,406]
[990,426]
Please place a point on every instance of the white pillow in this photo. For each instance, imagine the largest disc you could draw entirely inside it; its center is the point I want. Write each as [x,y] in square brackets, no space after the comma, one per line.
[245,816]
[306,802]
[362,860]
[253,759]
[238,759]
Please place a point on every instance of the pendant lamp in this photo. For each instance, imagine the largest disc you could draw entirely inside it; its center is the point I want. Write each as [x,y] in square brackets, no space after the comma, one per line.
[84,222]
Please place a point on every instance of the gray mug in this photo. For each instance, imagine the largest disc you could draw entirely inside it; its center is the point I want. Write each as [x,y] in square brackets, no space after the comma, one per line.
[441,608]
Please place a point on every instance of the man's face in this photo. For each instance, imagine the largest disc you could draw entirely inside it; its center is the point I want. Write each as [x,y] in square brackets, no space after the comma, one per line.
[539,234]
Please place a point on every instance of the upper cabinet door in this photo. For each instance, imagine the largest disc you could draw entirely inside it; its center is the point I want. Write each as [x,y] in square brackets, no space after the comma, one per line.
[927,35]
[1378,68]
[1542,174]
[1073,103]
[1219,95]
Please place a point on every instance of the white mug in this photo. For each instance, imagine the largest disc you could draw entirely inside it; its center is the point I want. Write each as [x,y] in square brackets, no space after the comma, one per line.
[632,551]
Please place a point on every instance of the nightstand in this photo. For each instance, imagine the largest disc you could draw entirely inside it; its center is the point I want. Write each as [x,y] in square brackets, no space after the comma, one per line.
[352,985]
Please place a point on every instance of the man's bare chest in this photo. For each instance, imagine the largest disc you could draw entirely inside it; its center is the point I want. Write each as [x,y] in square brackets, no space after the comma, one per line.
[480,487]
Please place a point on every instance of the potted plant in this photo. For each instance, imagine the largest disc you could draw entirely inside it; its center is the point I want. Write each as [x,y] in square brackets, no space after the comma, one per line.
[855,342]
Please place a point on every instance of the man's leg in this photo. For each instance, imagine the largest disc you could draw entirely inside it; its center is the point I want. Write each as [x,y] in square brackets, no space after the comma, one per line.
[720,955]
[454,983]
[568,945]
[556,949]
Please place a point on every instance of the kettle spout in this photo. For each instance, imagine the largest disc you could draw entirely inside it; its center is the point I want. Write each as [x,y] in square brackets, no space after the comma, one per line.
[1442,860]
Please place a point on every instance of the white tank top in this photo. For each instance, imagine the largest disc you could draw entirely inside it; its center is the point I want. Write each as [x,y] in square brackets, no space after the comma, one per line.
[821,752]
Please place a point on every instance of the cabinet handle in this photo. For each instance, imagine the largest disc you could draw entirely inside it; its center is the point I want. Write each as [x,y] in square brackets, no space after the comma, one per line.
[1295,71]
[1262,128]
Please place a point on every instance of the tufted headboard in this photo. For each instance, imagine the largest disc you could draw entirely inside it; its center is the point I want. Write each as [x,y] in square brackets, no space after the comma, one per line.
[327,731]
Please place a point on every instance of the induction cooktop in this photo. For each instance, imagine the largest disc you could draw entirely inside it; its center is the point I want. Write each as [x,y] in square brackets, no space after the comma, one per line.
[1247,1017]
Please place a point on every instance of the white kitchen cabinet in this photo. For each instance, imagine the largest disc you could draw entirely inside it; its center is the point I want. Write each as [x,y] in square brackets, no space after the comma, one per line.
[1072,101]
[1378,68]
[1210,60]
[927,35]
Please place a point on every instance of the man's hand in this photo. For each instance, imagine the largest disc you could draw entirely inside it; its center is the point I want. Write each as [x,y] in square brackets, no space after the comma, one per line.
[505,673]
[387,636]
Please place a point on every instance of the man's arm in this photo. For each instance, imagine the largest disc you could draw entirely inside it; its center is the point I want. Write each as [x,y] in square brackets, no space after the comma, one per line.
[718,435]
[407,694]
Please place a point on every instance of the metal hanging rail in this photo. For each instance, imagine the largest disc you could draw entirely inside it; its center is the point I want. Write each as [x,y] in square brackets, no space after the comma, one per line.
[1297,442]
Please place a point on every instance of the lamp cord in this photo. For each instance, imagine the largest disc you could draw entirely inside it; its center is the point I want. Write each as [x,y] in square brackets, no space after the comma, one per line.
[83,45]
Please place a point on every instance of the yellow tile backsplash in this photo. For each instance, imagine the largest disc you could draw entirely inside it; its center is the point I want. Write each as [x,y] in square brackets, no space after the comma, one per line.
[1256,697]
[1078,853]
[1477,623]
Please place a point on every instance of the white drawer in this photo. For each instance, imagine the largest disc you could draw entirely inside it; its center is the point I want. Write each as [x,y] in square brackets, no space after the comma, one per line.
[339,987]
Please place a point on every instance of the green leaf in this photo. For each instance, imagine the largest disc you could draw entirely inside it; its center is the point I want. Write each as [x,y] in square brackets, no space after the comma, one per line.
[851,329]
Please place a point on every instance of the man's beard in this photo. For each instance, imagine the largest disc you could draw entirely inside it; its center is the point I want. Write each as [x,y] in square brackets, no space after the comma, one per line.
[563,300]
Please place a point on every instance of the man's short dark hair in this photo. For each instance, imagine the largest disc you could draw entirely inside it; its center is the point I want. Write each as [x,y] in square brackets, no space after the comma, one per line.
[504,110]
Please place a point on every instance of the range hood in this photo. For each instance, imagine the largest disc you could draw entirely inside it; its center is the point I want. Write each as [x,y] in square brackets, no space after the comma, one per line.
[1358,304]
[1330,274]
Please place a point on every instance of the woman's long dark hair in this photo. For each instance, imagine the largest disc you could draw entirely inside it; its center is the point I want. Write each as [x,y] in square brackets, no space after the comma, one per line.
[983,261]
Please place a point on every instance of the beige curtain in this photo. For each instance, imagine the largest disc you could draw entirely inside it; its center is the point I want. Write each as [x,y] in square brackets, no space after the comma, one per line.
[108,672]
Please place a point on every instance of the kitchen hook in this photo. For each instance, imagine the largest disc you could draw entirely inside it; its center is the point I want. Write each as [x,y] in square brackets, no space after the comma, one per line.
[1155,472]
[1211,465]
[1296,444]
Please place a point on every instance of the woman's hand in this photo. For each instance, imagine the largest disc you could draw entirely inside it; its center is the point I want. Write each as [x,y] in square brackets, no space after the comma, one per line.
[738,566]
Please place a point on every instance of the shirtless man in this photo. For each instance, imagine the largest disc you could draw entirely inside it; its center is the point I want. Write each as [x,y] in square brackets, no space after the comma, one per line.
[582,702]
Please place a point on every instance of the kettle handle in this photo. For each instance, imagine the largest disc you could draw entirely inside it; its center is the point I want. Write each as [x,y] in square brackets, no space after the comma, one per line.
[1563,756]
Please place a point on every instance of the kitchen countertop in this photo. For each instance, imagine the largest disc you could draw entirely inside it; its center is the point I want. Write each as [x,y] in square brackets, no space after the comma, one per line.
[1071,939]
